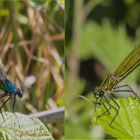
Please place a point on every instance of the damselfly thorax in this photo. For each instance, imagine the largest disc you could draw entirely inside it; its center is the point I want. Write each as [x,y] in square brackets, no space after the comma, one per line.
[106,87]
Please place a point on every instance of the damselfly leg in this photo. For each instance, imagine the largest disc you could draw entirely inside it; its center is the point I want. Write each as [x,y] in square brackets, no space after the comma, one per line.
[13,107]
[96,103]
[117,108]
[105,112]
[4,95]
[117,89]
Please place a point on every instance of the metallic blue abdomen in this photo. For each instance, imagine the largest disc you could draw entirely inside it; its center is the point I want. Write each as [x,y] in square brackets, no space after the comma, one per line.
[7,86]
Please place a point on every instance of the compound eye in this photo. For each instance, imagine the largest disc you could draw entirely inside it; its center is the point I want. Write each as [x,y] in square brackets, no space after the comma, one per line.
[101,93]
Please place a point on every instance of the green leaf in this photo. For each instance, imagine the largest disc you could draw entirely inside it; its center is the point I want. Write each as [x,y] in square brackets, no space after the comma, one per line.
[126,124]
[19,126]
[107,44]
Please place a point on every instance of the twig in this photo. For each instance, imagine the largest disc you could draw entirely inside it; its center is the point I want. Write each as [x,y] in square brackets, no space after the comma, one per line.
[89,7]
[50,116]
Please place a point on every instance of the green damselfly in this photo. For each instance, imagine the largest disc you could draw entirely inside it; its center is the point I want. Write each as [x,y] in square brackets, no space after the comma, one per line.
[110,84]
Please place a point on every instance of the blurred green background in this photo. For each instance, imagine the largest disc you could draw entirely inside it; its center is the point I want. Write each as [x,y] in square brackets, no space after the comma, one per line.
[32,52]
[99,35]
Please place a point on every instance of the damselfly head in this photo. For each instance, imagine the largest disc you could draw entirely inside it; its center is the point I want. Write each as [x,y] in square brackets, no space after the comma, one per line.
[19,92]
[98,92]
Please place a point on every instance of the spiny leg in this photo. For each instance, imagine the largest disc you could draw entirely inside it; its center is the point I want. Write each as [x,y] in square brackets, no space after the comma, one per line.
[107,110]
[2,96]
[117,110]
[111,106]
[97,103]
[130,90]
[116,87]
[4,104]
[130,96]
[104,113]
